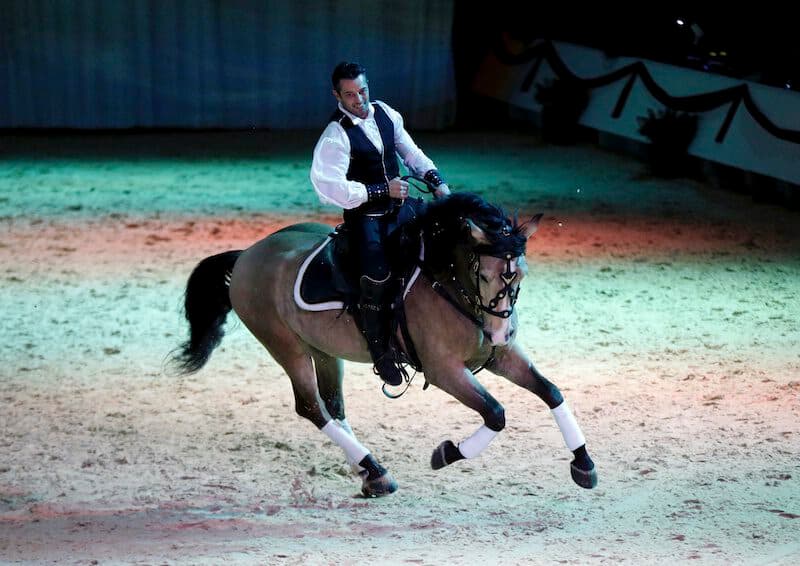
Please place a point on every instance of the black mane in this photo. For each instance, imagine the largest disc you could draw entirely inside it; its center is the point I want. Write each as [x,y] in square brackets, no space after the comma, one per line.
[444,225]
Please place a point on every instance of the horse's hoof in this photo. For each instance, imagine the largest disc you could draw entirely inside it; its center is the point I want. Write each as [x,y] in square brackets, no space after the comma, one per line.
[584,478]
[446,453]
[380,486]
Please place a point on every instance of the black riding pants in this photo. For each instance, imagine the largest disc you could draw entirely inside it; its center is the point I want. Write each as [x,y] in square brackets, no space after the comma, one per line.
[368,235]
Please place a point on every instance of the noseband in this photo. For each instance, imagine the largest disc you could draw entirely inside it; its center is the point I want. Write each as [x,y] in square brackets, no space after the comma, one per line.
[508,289]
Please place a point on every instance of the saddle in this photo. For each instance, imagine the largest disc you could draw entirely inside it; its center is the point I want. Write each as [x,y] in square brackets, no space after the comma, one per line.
[328,279]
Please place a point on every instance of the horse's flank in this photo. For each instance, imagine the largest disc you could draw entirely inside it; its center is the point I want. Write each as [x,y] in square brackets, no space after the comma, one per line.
[261,289]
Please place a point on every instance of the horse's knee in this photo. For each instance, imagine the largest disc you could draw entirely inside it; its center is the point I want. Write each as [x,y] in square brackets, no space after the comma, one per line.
[495,417]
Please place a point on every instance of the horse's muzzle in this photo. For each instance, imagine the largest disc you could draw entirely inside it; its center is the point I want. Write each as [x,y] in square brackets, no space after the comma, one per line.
[501,337]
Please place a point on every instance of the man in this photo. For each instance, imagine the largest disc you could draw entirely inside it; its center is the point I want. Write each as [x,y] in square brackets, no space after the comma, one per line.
[355,167]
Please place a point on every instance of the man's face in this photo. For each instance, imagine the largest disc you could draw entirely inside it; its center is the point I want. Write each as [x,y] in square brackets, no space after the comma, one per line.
[354,95]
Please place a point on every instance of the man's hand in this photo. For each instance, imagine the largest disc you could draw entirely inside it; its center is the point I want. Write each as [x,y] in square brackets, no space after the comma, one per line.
[441,191]
[398,188]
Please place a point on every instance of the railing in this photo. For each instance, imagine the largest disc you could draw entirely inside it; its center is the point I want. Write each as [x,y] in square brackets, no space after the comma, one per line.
[725,136]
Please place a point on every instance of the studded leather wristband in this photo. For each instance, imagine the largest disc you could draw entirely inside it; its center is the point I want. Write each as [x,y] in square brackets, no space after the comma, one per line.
[433,178]
[377,191]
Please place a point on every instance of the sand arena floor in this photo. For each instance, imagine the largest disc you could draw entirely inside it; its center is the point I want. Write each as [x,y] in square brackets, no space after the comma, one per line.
[668,313]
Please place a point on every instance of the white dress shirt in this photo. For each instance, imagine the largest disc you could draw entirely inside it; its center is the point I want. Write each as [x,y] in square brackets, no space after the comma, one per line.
[332,157]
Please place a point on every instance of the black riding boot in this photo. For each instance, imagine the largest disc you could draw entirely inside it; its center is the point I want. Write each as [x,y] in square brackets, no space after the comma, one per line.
[376,320]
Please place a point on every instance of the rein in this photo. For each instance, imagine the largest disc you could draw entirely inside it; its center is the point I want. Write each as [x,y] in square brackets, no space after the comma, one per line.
[426,188]
[411,351]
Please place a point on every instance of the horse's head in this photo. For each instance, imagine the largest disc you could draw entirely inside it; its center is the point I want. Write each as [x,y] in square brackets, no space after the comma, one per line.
[480,253]
[499,272]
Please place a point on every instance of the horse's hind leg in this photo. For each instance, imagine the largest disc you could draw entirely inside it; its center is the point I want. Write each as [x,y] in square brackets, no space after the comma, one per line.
[515,366]
[318,398]
[330,374]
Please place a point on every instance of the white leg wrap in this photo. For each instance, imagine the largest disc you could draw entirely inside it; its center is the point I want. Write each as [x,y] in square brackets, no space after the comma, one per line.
[570,430]
[477,443]
[354,451]
[346,426]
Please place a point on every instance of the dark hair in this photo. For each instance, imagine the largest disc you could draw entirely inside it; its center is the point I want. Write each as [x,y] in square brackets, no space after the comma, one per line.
[345,70]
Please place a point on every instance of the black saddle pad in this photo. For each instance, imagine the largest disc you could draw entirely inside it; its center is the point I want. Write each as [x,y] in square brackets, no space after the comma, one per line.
[328,279]
[325,278]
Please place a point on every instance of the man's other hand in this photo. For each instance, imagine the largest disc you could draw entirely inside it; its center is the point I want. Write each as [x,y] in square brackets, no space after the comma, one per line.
[398,188]
[441,191]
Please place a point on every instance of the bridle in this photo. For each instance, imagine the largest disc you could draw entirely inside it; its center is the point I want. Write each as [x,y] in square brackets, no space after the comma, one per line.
[476,301]
[507,277]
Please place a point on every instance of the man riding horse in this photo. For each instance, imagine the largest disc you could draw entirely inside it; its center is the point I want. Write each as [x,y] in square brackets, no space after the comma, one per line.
[355,167]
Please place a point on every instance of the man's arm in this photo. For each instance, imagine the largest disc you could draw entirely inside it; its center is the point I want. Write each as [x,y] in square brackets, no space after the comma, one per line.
[329,170]
[329,174]
[413,157]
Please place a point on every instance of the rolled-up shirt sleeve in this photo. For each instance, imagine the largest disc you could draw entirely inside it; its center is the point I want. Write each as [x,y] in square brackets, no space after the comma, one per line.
[413,157]
[329,170]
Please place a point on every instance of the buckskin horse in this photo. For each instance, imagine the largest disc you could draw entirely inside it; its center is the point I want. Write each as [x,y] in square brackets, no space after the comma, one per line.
[456,310]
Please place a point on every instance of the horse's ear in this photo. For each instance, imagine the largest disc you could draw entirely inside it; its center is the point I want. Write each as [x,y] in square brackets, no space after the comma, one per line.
[529,228]
[476,232]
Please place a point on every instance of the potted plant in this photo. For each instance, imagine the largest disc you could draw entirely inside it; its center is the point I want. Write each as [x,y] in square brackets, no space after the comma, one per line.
[670,133]
[563,101]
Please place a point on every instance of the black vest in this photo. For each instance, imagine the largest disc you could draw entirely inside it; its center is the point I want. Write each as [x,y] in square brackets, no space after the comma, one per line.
[367,165]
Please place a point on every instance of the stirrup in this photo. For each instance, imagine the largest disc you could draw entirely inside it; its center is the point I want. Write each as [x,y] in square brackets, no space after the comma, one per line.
[387,370]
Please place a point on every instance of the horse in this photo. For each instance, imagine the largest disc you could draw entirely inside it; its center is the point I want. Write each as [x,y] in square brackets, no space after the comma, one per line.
[459,316]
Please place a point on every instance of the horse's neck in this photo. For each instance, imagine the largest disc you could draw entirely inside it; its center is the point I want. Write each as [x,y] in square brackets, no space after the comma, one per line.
[451,288]
[439,330]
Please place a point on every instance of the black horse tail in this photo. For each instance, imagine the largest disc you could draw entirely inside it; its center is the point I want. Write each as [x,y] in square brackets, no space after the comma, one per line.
[206,306]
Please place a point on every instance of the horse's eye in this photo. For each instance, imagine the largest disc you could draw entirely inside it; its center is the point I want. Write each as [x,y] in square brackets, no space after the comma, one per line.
[483,278]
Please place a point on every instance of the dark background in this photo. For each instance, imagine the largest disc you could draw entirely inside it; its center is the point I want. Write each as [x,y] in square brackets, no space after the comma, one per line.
[747,45]
[758,47]
[266,63]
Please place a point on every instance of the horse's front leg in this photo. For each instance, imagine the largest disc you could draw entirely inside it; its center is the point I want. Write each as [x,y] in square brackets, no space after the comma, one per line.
[461,383]
[514,365]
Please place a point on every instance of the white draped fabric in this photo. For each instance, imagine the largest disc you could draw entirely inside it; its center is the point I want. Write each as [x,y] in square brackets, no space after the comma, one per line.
[218,63]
